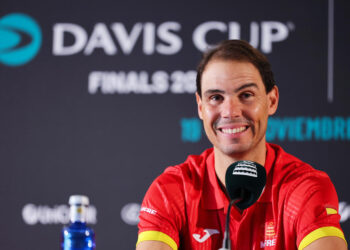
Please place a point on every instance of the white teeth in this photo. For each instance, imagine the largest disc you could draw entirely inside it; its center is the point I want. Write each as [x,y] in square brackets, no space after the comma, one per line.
[233,131]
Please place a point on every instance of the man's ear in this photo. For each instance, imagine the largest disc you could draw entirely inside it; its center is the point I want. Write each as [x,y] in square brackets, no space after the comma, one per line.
[199,105]
[273,98]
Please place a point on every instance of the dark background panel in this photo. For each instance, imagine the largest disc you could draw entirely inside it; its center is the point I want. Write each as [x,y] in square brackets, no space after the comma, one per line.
[57,139]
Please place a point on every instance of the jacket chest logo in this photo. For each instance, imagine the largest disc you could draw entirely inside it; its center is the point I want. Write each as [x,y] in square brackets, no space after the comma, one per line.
[207,233]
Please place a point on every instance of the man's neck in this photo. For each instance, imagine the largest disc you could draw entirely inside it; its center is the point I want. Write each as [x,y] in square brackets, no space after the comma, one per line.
[223,161]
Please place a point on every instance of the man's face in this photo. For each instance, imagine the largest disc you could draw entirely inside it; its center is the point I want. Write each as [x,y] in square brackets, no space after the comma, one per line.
[235,107]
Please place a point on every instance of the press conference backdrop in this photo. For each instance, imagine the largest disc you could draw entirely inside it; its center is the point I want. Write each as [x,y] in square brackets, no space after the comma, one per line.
[97,98]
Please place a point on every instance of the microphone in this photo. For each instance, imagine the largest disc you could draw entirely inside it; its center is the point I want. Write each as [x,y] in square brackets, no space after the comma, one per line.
[245,182]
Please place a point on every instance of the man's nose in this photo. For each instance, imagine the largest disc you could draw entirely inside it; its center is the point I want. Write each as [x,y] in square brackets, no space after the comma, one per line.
[231,108]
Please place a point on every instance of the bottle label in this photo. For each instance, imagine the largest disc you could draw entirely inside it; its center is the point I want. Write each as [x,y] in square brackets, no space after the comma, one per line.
[78,213]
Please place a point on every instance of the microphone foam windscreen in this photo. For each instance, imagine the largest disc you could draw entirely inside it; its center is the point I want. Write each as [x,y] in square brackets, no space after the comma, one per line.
[245,180]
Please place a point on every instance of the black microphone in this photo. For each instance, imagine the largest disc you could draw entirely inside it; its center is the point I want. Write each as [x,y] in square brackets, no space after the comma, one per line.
[245,182]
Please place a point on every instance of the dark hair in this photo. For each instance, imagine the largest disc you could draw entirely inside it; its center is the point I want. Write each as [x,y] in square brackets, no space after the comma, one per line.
[237,50]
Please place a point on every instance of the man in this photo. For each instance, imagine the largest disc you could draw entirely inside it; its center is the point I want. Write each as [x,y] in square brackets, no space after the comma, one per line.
[186,206]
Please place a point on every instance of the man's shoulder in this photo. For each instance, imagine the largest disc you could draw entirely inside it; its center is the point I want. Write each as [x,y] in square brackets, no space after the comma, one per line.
[288,163]
[290,169]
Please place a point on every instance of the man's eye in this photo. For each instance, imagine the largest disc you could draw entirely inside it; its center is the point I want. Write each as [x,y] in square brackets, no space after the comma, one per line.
[246,95]
[216,98]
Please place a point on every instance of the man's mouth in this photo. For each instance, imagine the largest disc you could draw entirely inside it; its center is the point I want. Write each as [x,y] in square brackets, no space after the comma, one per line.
[232,131]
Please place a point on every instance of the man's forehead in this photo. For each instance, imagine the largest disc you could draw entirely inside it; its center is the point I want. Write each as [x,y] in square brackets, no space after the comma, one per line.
[230,67]
[227,73]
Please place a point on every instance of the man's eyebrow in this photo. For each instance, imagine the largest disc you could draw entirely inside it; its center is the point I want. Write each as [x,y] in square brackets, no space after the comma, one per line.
[220,91]
[213,91]
[247,85]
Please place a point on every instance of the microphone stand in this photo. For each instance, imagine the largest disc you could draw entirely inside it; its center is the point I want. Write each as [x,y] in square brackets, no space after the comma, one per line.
[226,243]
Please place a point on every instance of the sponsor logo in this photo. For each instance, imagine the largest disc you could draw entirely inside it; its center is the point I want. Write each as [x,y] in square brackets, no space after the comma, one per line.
[245,168]
[208,233]
[148,210]
[164,38]
[267,243]
[58,214]
[20,39]
[130,213]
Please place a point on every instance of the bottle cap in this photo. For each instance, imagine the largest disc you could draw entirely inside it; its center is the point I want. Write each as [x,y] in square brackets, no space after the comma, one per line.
[79,200]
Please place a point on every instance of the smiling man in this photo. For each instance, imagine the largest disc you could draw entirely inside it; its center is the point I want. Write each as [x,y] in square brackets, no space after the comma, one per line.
[186,206]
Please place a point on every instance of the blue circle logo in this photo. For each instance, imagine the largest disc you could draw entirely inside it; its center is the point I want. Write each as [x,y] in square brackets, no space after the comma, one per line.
[20,39]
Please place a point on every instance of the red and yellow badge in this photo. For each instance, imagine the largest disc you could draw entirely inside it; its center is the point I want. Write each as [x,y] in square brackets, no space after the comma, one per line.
[270,229]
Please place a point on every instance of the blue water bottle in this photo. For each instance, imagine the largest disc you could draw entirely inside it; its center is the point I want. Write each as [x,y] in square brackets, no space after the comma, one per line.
[77,235]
